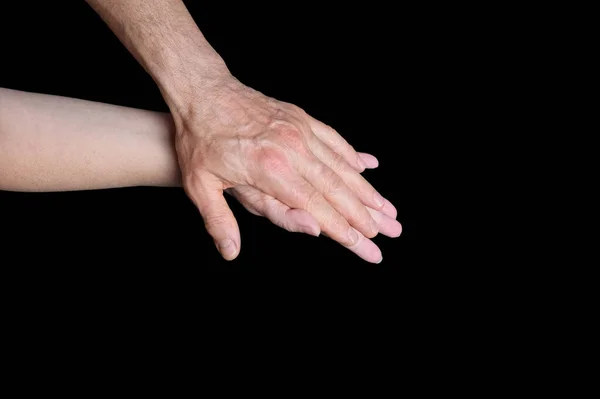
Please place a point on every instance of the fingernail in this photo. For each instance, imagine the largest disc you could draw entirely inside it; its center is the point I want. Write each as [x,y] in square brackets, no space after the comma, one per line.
[375,163]
[310,230]
[361,163]
[379,200]
[353,235]
[227,248]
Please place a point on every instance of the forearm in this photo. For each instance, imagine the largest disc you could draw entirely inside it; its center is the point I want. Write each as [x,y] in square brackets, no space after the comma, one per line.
[52,143]
[166,41]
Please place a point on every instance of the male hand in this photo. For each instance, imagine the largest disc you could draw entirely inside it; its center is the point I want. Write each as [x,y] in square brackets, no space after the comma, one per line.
[232,136]
[229,135]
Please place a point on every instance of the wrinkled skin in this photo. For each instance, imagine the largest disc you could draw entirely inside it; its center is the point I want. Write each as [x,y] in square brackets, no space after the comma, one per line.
[280,163]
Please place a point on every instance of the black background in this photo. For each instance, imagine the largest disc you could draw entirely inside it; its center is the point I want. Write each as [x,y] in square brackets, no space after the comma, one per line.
[372,73]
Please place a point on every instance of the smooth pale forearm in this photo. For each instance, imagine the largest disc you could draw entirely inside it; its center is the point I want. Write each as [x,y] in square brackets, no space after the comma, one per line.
[165,40]
[53,143]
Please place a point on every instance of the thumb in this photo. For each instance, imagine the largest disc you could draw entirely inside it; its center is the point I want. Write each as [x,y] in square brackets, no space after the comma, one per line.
[218,218]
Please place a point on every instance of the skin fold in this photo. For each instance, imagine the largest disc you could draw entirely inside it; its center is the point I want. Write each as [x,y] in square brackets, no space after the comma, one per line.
[52,143]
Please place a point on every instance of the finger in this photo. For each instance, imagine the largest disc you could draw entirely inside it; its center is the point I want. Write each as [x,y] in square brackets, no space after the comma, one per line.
[366,249]
[293,220]
[294,191]
[246,197]
[339,195]
[360,187]
[387,226]
[207,195]
[261,204]
[298,220]
[370,161]
[337,143]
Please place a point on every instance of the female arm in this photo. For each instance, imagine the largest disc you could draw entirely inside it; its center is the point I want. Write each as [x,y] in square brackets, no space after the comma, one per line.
[53,143]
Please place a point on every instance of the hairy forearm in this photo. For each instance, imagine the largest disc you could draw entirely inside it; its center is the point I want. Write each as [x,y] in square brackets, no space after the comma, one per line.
[52,143]
[166,41]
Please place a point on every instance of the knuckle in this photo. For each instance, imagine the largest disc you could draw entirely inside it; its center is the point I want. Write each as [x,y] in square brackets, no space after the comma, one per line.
[338,225]
[272,160]
[291,137]
[333,183]
[312,199]
[255,201]
[337,163]
[269,205]
[317,168]
[335,186]
[259,202]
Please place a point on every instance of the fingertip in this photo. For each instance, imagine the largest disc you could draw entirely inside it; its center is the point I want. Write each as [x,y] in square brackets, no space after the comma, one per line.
[369,160]
[310,229]
[369,251]
[391,228]
[303,221]
[365,248]
[387,226]
[228,248]
[314,232]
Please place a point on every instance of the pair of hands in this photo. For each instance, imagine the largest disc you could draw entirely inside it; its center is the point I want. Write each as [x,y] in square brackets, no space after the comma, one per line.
[280,163]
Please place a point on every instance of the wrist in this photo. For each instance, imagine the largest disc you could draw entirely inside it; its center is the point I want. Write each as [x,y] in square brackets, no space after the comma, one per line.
[184,80]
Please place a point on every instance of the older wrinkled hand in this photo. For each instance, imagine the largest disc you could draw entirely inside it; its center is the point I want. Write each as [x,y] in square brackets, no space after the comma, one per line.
[300,221]
[235,136]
